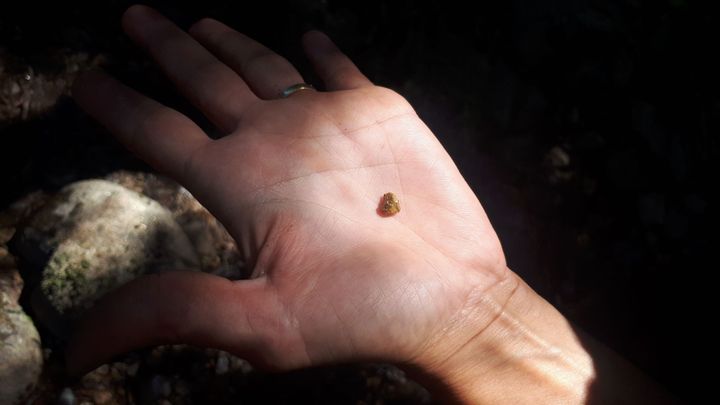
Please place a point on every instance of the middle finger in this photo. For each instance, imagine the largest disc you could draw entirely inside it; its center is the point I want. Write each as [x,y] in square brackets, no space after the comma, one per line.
[267,73]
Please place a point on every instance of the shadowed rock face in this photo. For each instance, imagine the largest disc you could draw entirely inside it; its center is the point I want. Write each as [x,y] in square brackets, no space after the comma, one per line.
[94,236]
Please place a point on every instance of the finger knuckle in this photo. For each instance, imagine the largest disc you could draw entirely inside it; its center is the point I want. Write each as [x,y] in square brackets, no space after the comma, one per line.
[262,58]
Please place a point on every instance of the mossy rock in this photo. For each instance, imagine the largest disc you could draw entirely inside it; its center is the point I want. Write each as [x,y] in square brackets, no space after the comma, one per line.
[94,236]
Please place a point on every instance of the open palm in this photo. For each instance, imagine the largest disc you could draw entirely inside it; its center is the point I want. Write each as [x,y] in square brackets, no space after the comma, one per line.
[297,181]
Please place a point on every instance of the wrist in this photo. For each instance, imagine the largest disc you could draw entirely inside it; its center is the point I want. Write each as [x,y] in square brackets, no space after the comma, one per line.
[508,346]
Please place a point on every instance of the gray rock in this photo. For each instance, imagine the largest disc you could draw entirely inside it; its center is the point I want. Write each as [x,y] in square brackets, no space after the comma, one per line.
[20,353]
[94,236]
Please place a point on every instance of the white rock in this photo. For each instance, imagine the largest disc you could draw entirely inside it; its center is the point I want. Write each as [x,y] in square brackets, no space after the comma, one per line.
[94,236]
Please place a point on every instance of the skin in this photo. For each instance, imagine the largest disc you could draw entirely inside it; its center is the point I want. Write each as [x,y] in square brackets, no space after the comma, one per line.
[297,181]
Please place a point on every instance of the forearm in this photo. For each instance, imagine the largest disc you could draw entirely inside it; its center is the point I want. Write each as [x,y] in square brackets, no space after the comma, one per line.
[530,353]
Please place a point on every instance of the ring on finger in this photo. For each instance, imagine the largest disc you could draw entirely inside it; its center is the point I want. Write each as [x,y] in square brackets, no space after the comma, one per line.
[295,88]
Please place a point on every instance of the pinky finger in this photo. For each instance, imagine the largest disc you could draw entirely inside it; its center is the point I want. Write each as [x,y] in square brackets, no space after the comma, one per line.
[334,67]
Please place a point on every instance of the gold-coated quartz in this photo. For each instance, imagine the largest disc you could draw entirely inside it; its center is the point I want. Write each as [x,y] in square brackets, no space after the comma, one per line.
[390,205]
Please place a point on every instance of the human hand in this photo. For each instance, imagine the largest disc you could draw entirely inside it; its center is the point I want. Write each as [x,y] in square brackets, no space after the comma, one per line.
[297,182]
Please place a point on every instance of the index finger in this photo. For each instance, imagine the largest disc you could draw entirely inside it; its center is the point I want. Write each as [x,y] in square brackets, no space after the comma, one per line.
[164,138]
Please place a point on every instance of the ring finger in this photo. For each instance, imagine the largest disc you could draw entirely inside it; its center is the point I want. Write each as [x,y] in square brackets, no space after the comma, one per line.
[266,72]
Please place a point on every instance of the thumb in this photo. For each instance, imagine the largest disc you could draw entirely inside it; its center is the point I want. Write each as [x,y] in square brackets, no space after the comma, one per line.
[178,307]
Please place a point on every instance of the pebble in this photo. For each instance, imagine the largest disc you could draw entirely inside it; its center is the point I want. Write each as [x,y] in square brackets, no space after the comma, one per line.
[557,161]
[557,157]
[67,397]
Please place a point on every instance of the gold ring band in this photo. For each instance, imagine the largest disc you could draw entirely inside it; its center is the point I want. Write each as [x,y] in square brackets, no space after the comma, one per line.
[295,88]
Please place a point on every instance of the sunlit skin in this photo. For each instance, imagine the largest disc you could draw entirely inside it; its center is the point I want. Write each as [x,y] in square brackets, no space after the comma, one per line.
[297,182]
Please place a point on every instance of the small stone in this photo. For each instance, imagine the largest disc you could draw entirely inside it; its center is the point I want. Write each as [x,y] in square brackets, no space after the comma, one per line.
[557,157]
[67,397]
[557,160]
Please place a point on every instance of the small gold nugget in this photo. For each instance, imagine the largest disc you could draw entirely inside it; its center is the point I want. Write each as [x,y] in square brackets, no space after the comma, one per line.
[390,205]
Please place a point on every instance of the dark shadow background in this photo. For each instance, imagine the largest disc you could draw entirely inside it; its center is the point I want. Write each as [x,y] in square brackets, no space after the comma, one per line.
[589,130]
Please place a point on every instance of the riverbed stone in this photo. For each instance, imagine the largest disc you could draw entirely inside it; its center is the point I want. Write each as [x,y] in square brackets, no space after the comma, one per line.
[21,357]
[94,236]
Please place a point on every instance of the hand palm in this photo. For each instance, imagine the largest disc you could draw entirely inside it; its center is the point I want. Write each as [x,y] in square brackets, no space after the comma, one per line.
[297,182]
[307,189]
